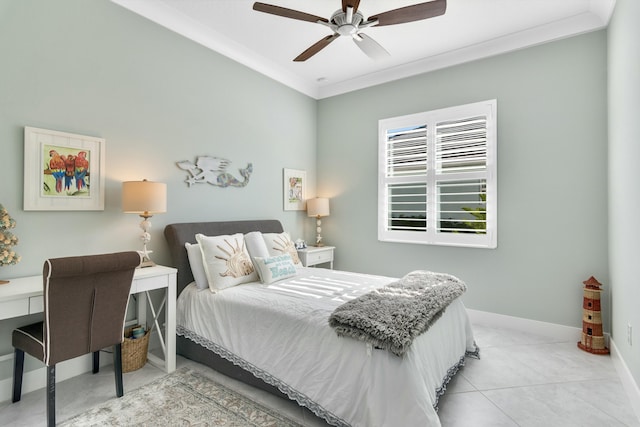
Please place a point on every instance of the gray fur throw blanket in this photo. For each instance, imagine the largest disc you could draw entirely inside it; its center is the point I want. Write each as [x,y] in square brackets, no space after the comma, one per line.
[391,317]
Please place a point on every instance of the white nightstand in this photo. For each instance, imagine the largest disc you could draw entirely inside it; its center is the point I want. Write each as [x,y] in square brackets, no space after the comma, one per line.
[314,255]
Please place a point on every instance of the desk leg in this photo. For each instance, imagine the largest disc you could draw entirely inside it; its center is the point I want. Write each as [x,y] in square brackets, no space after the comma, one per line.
[170,326]
[141,310]
[168,341]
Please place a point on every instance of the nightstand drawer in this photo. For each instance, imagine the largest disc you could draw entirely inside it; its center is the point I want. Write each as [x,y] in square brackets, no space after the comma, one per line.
[149,283]
[314,255]
[320,257]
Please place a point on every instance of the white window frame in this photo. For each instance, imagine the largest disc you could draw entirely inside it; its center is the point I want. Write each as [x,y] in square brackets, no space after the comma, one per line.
[431,236]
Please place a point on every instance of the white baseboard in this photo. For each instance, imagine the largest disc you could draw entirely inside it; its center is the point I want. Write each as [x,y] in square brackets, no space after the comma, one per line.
[37,378]
[562,333]
[559,332]
[628,382]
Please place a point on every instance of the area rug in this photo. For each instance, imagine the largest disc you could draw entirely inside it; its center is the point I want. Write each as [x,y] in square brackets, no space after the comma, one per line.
[183,398]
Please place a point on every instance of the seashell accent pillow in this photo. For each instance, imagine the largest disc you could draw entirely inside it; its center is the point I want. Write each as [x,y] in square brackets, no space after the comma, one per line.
[280,244]
[226,261]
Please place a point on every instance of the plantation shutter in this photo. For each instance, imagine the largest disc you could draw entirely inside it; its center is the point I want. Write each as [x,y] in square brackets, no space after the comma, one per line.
[437,177]
[406,167]
[461,145]
[461,164]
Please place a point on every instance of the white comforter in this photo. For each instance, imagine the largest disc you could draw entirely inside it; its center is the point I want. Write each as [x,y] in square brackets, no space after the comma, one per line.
[280,332]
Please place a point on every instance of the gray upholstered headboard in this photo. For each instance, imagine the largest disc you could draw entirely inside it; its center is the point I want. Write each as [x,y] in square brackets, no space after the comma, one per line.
[179,234]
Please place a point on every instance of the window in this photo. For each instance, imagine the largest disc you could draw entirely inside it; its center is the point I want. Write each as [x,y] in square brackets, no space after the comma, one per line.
[437,177]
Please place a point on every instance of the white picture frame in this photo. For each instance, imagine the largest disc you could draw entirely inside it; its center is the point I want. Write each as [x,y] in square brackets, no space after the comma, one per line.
[294,189]
[78,187]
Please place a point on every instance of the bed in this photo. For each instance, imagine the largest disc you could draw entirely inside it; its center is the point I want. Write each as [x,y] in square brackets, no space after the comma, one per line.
[276,337]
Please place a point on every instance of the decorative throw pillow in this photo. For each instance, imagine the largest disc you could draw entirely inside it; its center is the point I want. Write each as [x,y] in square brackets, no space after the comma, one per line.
[197,267]
[226,261]
[275,268]
[280,244]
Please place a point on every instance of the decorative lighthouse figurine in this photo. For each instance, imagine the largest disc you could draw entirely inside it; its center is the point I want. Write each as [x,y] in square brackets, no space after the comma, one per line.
[592,339]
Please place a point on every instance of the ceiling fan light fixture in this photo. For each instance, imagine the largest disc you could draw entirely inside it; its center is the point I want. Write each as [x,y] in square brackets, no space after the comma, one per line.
[347,30]
[348,21]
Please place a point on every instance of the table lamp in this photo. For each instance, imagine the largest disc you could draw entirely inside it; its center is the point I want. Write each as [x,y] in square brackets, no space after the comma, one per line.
[318,208]
[145,198]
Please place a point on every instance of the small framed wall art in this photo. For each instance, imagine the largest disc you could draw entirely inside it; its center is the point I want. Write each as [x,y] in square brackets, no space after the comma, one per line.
[295,189]
[63,171]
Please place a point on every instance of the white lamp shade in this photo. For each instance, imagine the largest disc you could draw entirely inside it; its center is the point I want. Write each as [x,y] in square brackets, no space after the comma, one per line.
[318,207]
[144,197]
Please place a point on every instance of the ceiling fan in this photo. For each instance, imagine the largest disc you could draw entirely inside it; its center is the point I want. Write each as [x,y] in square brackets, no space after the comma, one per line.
[349,21]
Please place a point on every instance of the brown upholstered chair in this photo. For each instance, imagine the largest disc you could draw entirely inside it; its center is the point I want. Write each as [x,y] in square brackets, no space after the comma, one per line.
[85,304]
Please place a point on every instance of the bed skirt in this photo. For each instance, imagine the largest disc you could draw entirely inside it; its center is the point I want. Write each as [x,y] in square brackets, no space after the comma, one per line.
[200,349]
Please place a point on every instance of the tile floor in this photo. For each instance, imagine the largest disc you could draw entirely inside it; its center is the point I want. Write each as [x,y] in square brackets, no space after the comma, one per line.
[519,381]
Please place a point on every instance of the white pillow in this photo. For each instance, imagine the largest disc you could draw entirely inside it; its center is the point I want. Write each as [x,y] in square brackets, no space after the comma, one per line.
[197,267]
[226,261]
[256,245]
[280,244]
[275,268]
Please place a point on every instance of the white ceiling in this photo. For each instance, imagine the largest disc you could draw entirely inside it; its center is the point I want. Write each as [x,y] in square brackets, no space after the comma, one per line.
[469,30]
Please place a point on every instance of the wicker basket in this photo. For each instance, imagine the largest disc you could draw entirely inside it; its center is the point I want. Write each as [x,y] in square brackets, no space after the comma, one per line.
[134,351]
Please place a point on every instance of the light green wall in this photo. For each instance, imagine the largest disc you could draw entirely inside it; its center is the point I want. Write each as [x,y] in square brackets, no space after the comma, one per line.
[624,178]
[94,68]
[552,177]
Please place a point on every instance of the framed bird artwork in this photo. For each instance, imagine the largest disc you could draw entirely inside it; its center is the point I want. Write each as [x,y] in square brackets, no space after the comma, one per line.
[63,171]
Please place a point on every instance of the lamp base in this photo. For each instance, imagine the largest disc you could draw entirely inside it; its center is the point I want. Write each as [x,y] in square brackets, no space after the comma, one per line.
[145,260]
[146,238]
[319,242]
[147,263]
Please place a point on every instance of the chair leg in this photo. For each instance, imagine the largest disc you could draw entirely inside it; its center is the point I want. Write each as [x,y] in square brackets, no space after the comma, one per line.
[51,396]
[117,368]
[18,368]
[96,362]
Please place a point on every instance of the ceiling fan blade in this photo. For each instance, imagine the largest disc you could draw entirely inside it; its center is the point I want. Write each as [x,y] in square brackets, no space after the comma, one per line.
[316,47]
[350,3]
[287,13]
[370,47]
[412,13]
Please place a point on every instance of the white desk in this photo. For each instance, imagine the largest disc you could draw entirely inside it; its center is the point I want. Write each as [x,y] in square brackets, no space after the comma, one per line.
[23,296]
